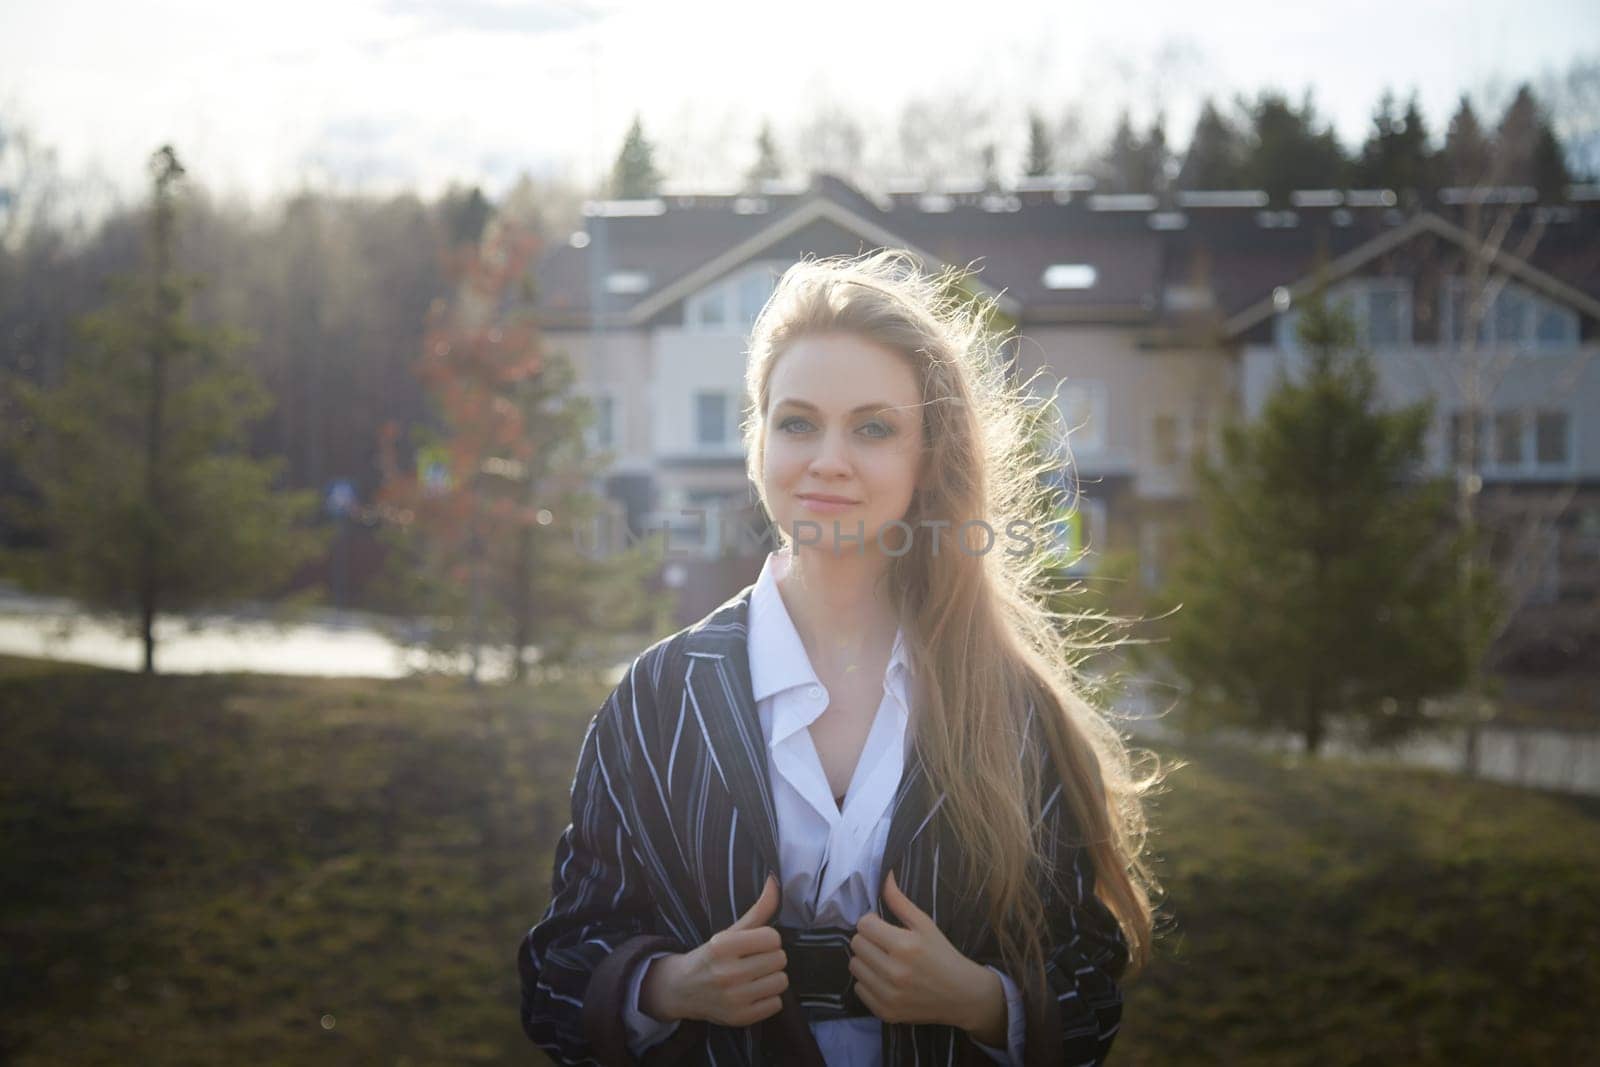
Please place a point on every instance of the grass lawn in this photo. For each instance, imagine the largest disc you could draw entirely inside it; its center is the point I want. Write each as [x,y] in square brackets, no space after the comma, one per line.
[246,869]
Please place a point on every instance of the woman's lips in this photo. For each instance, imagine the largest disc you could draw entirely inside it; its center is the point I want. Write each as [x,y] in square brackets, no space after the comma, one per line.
[825,507]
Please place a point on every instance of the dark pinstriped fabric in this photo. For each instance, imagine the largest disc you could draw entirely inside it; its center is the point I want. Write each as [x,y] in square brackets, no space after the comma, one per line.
[673,833]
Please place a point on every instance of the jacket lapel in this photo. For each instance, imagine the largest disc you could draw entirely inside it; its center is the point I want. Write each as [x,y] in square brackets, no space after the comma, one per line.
[717,685]
[913,809]
[721,698]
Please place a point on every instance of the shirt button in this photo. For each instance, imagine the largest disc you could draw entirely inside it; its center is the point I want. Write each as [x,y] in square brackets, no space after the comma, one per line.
[814,692]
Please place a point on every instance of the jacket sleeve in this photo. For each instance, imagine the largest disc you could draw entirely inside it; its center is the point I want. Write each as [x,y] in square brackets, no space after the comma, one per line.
[1075,1019]
[576,962]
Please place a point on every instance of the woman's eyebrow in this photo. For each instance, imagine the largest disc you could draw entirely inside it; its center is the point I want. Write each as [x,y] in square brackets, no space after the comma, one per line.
[875,405]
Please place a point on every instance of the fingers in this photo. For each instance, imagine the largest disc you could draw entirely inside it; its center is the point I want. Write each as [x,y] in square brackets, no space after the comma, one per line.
[903,907]
[753,967]
[751,1001]
[772,985]
[732,944]
[763,1009]
[877,962]
[883,933]
[763,910]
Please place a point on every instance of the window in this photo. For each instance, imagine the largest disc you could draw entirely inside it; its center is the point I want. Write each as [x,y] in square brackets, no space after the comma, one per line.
[1512,441]
[1165,444]
[753,292]
[1381,308]
[627,282]
[1555,326]
[1513,315]
[1070,276]
[1388,313]
[1508,450]
[734,301]
[708,309]
[1083,414]
[1551,445]
[711,418]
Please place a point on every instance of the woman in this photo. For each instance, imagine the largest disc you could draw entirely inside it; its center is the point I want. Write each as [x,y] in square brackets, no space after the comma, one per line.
[861,812]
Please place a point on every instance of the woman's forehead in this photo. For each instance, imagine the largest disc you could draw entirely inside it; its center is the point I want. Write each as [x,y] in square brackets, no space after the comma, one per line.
[843,372]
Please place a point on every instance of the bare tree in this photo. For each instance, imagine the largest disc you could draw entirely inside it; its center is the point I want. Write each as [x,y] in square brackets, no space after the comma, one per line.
[943,137]
[1495,233]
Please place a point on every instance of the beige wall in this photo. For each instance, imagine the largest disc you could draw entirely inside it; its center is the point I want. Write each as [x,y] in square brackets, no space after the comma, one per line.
[1193,388]
[1143,482]
[686,361]
[616,363]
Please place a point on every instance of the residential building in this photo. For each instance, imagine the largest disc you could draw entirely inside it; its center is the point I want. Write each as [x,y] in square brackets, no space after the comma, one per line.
[1150,322]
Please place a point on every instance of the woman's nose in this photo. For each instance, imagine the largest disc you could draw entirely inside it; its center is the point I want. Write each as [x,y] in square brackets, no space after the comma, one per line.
[832,457]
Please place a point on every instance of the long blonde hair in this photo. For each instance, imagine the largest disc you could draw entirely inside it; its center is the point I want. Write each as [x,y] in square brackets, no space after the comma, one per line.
[984,642]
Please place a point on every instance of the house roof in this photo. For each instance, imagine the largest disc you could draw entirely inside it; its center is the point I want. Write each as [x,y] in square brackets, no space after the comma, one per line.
[1221,254]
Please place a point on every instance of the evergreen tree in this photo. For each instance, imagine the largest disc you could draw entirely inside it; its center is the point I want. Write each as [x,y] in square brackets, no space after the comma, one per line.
[1215,156]
[768,165]
[1467,154]
[1290,148]
[1550,174]
[146,500]
[1396,154]
[1134,164]
[634,177]
[1323,576]
[466,212]
[1040,151]
[1516,139]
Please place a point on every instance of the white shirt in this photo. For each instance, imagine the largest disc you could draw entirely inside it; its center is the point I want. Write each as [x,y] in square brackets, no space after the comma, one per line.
[830,859]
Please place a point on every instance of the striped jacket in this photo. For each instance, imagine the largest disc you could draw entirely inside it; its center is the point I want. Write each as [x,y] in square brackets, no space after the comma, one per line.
[673,833]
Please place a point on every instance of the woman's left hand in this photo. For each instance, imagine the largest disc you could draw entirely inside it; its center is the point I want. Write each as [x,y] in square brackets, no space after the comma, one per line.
[912,975]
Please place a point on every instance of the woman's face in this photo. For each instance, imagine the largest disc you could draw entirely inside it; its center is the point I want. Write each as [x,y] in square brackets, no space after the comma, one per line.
[844,420]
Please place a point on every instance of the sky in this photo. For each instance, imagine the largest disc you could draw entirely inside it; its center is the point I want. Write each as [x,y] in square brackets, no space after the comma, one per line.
[383,94]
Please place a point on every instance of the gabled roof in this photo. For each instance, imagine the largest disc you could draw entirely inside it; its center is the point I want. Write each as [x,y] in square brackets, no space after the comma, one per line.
[818,208]
[1425,223]
[1211,257]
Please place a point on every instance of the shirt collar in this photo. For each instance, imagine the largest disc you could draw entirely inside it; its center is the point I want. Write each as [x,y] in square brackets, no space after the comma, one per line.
[778,659]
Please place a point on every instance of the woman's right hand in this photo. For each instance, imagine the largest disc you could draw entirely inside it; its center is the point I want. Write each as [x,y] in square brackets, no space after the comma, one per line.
[735,979]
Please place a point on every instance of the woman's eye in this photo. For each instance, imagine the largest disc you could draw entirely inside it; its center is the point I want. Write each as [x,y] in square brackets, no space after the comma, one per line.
[874,429]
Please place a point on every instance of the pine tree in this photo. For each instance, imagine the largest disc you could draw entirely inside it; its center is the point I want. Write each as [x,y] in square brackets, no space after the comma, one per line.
[1290,148]
[1132,164]
[634,177]
[1040,150]
[1466,157]
[146,500]
[1323,575]
[1215,156]
[1550,174]
[1516,138]
[1396,154]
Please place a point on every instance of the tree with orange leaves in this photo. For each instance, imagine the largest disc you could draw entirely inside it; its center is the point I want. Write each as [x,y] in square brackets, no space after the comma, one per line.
[490,531]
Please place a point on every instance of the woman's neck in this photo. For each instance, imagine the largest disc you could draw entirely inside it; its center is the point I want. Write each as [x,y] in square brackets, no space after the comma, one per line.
[839,604]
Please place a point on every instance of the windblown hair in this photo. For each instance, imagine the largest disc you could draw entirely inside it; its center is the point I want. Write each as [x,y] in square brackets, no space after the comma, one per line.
[983,639]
